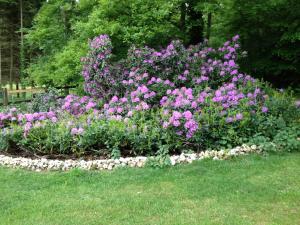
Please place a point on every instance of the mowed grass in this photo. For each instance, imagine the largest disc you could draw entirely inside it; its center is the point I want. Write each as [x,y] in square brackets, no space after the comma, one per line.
[246,190]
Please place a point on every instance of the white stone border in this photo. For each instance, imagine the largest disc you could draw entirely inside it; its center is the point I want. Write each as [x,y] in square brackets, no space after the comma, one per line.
[42,164]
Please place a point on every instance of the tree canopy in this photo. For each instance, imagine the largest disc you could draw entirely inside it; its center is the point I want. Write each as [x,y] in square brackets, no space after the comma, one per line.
[57,37]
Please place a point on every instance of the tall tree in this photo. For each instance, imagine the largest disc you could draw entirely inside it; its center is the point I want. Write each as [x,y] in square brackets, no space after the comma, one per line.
[195,21]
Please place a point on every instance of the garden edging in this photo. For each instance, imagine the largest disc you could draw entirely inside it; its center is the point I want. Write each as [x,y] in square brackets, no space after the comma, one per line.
[43,164]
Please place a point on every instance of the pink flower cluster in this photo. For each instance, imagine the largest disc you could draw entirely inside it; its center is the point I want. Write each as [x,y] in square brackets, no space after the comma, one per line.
[182,122]
[77,131]
[13,117]
[77,106]
[117,108]
[179,98]
[27,120]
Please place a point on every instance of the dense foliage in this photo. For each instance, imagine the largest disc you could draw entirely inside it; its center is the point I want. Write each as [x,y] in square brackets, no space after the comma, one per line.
[61,28]
[270,32]
[158,102]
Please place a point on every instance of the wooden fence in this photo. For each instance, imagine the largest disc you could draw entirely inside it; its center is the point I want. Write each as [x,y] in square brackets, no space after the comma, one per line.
[6,93]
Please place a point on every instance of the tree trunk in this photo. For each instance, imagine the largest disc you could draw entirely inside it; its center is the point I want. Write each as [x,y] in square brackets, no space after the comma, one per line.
[0,53]
[11,62]
[196,23]
[22,40]
[208,25]
[182,16]
[0,65]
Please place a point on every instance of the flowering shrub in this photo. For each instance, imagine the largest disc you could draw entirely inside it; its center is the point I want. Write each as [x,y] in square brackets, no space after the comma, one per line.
[101,80]
[171,100]
[175,65]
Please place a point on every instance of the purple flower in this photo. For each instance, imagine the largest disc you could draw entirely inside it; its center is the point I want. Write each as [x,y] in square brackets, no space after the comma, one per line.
[179,133]
[191,126]
[144,89]
[114,99]
[218,93]
[80,130]
[136,99]
[111,110]
[229,120]
[145,106]
[239,116]
[177,115]
[27,128]
[236,37]
[29,117]
[233,72]
[176,123]
[165,124]
[194,105]
[74,131]
[123,100]
[119,110]
[90,105]
[264,109]
[231,63]
[188,115]
[77,131]
[129,114]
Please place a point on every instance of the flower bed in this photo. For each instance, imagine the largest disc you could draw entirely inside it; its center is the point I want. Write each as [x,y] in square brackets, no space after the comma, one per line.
[157,103]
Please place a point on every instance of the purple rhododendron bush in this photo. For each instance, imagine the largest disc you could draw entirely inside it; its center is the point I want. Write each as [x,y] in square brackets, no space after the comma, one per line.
[158,102]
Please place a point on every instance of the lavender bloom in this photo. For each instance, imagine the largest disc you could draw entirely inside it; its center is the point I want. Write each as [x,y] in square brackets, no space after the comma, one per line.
[229,120]
[188,115]
[239,116]
[264,109]
[77,131]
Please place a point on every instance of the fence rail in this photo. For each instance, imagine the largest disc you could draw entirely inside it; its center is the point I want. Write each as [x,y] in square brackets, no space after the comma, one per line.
[6,93]
[35,90]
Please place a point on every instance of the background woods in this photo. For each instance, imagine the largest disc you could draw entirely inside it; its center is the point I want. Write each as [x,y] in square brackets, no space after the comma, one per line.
[15,18]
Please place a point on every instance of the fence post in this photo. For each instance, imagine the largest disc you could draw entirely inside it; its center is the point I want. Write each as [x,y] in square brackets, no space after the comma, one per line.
[5,97]
[17,88]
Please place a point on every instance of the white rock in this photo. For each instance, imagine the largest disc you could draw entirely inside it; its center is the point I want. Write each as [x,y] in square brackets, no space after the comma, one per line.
[110,166]
[216,158]
[140,164]
[173,161]
[49,164]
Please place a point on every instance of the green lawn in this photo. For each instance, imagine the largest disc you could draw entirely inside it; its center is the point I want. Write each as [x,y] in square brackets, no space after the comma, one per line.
[247,190]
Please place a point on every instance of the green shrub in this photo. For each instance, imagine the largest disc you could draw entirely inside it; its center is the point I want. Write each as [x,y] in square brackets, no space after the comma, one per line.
[44,102]
[49,138]
[287,139]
